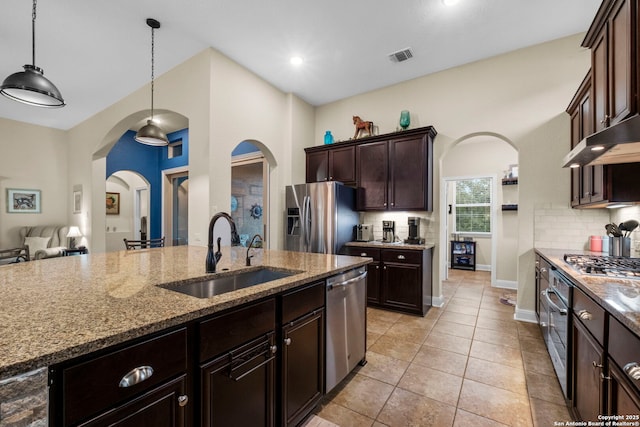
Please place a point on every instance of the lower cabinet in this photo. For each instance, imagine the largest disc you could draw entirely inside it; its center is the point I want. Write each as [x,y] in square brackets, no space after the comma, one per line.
[623,398]
[397,279]
[587,360]
[303,356]
[259,364]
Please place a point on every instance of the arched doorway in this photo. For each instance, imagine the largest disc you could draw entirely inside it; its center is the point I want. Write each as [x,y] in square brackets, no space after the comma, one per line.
[127,208]
[495,157]
[250,191]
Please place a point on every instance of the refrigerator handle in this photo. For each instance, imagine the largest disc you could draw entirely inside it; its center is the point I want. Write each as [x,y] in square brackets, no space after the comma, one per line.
[307,223]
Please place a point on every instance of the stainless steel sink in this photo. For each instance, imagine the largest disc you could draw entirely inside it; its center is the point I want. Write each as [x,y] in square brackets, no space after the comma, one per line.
[229,283]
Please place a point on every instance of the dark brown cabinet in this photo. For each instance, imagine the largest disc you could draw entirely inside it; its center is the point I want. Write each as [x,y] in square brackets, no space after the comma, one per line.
[139,378]
[542,280]
[332,163]
[237,367]
[612,44]
[398,279]
[587,360]
[623,398]
[390,172]
[396,174]
[302,362]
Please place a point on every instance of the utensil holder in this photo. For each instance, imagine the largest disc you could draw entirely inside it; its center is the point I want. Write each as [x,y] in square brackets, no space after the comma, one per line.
[620,246]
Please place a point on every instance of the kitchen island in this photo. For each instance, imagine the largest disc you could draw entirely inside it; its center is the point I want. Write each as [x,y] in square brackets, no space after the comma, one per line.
[58,309]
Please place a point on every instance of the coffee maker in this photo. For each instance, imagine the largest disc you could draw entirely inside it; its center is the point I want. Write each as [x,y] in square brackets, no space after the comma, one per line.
[414,231]
[388,231]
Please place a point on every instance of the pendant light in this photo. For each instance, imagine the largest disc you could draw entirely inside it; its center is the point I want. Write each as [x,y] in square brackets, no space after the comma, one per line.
[31,86]
[150,134]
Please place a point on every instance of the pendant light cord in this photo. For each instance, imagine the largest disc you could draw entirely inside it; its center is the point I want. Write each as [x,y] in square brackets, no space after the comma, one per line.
[152,66]
[33,34]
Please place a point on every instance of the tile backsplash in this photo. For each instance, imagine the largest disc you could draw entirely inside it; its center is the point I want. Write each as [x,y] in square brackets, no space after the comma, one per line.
[560,227]
[427,230]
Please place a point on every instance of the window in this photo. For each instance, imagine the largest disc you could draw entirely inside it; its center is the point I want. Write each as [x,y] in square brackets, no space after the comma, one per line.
[175,149]
[473,205]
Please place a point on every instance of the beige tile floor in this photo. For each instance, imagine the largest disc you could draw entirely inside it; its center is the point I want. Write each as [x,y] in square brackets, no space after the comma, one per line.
[465,364]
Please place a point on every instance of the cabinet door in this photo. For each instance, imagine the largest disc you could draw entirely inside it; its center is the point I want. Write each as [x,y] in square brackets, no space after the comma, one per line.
[402,285]
[587,359]
[238,388]
[408,168]
[576,173]
[620,75]
[342,164]
[302,366]
[165,406]
[623,399]
[372,171]
[317,166]
[373,283]
[599,70]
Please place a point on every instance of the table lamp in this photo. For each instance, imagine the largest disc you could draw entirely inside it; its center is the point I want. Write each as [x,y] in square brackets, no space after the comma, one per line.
[72,234]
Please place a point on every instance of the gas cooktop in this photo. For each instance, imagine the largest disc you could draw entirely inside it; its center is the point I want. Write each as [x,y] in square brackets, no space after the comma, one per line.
[605,266]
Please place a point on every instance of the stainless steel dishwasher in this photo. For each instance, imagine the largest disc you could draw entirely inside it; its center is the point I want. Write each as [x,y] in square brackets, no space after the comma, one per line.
[346,324]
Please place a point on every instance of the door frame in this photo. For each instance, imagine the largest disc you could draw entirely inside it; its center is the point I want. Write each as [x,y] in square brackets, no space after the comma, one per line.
[445,233]
[167,198]
[258,157]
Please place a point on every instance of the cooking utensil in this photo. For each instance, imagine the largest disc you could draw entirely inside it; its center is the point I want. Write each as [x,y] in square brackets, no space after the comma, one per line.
[629,226]
[613,230]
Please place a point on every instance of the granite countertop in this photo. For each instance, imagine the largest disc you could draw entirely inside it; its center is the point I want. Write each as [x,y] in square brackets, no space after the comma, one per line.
[58,308]
[620,297]
[396,245]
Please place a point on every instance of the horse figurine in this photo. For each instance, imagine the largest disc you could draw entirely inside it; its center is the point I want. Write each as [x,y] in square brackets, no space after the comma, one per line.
[361,126]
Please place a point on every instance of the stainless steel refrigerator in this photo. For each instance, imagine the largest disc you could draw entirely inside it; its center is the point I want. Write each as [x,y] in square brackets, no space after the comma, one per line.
[320,217]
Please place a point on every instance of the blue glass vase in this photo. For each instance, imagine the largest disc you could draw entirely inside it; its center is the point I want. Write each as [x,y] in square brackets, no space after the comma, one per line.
[328,138]
[405,119]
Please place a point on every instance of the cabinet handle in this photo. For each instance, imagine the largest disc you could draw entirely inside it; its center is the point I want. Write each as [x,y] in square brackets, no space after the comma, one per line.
[543,270]
[596,365]
[605,121]
[183,400]
[363,254]
[632,370]
[136,376]
[273,349]
[385,267]
[384,204]
[377,267]
[330,178]
[287,341]
[393,204]
[585,315]
[401,257]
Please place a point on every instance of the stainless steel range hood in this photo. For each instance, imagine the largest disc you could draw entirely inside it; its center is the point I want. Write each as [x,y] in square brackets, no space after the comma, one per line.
[619,143]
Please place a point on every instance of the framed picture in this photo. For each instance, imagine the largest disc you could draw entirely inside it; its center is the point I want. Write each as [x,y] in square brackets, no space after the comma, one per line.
[113,204]
[23,201]
[77,201]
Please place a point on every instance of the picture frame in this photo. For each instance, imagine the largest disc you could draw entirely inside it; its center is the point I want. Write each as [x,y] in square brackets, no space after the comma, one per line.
[23,201]
[77,201]
[112,203]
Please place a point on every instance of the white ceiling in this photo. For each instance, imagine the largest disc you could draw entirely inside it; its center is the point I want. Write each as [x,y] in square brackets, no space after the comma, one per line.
[97,52]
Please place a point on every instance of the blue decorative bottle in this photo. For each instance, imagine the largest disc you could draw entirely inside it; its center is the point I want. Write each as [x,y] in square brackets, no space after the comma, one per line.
[328,138]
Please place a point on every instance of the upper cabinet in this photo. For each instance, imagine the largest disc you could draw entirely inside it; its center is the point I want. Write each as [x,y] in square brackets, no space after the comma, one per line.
[613,62]
[331,164]
[390,172]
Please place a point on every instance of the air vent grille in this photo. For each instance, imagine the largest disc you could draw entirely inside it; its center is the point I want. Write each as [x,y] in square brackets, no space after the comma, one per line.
[401,55]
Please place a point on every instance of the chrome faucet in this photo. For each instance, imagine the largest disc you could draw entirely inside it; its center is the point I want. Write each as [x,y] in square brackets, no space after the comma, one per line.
[248,259]
[213,259]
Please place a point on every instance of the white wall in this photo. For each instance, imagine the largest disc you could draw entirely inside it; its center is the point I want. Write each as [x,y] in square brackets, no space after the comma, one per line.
[33,158]
[521,95]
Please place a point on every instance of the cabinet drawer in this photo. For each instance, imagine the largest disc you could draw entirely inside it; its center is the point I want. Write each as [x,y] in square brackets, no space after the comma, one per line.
[364,252]
[590,314]
[95,385]
[624,349]
[302,301]
[236,327]
[410,257]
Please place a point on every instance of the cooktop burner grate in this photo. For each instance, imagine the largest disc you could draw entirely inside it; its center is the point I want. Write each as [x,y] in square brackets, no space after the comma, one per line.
[608,266]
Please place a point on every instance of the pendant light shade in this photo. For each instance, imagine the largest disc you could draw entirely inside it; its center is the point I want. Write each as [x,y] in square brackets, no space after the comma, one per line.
[31,86]
[151,134]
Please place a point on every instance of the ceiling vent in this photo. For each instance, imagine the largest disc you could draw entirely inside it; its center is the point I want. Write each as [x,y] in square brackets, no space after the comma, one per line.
[401,55]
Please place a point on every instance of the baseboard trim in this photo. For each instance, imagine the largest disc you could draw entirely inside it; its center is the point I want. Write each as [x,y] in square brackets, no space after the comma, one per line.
[506,284]
[525,315]
[483,267]
[437,301]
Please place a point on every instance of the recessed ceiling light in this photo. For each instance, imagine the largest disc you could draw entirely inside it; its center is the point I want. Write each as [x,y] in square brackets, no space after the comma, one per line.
[449,2]
[296,60]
